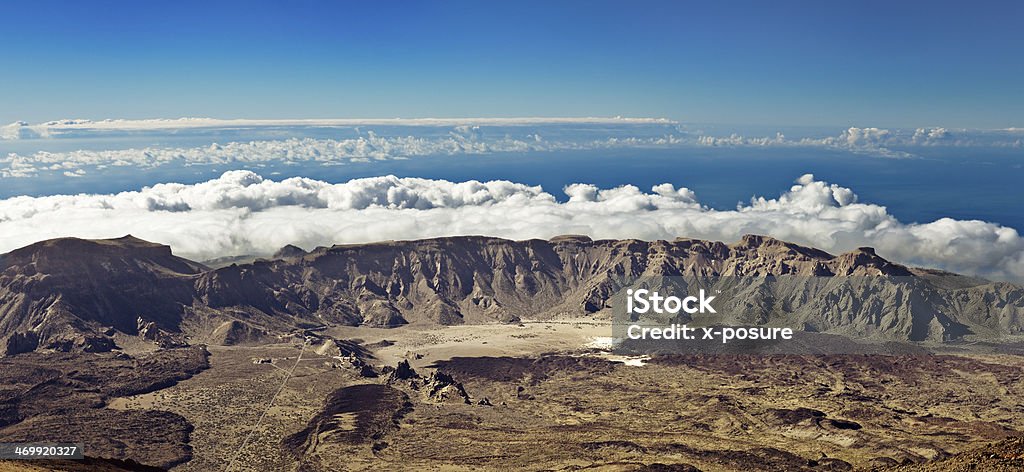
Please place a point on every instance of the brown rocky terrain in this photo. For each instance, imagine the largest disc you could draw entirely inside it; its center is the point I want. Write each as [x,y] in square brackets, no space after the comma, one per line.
[72,294]
[61,397]
[1002,456]
[478,354]
[285,406]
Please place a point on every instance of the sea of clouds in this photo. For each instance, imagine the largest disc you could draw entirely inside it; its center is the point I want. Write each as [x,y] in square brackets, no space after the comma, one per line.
[244,213]
[294,150]
[401,139]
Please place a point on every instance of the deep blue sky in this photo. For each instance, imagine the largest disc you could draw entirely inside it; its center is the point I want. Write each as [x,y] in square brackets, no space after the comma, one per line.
[893,64]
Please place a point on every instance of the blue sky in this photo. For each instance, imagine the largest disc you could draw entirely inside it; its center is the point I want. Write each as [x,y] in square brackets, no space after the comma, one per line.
[891,64]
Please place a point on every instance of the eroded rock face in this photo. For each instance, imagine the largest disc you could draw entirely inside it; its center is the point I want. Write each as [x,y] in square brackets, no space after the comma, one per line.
[20,343]
[459,280]
[64,288]
[442,387]
[150,331]
[71,291]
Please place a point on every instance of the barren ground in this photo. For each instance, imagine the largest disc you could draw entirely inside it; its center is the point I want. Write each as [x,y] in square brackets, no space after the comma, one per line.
[555,404]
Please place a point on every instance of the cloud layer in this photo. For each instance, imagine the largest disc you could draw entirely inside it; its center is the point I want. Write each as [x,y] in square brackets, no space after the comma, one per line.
[243,213]
[461,140]
[83,128]
[880,142]
[399,139]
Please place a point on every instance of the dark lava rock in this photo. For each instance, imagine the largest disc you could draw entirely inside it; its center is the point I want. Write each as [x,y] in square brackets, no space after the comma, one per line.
[367,371]
[20,343]
[403,372]
[378,410]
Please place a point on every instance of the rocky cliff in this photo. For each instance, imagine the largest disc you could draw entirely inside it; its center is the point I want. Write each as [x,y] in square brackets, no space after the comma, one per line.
[73,294]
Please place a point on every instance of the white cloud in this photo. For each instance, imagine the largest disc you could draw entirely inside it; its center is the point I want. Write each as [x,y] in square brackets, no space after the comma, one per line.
[460,141]
[243,213]
[877,142]
[869,141]
[17,130]
[84,128]
[400,139]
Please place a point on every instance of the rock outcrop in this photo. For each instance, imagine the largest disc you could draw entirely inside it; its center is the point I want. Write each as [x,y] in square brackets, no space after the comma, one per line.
[19,343]
[438,387]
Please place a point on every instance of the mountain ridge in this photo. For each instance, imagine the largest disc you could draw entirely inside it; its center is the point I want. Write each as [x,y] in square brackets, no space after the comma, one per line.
[74,294]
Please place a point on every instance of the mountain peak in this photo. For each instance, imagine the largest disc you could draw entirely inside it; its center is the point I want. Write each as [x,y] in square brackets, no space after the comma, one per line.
[772,246]
[571,238]
[866,260]
[61,254]
[289,251]
[754,240]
